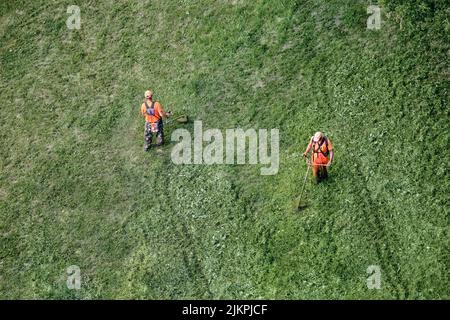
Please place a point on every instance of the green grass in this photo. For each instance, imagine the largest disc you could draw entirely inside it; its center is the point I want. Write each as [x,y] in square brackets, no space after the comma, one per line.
[77,189]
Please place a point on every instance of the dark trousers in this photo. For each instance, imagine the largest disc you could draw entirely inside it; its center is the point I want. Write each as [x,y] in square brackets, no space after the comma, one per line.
[148,135]
[319,173]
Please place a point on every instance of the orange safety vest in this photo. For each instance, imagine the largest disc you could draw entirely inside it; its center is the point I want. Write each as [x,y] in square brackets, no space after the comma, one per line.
[321,151]
[152,115]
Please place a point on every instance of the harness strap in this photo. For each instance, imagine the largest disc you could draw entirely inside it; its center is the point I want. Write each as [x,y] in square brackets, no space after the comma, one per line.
[319,149]
[150,110]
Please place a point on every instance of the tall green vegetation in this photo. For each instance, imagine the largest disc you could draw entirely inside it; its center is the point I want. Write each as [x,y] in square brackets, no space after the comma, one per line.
[76,187]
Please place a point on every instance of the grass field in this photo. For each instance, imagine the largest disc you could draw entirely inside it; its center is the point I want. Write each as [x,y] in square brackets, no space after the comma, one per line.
[76,187]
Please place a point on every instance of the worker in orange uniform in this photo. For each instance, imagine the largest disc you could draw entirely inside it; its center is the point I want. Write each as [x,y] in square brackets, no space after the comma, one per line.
[153,113]
[322,155]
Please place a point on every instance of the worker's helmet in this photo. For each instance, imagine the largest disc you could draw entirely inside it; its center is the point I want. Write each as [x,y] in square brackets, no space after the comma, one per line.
[148,94]
[317,136]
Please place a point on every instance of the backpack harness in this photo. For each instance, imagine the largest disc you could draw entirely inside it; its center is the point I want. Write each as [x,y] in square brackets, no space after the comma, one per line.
[154,126]
[150,110]
[319,147]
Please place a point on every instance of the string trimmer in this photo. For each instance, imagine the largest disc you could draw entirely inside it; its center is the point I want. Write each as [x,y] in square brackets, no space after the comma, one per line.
[180,119]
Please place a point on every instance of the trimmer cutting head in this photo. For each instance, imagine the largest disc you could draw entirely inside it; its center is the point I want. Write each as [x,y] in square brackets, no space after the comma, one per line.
[182,119]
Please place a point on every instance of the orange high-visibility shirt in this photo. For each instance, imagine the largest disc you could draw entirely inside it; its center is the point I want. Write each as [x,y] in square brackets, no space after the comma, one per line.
[319,157]
[158,111]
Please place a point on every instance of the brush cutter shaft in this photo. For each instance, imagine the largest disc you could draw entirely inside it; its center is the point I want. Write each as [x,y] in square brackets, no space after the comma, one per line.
[174,119]
[304,182]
